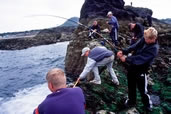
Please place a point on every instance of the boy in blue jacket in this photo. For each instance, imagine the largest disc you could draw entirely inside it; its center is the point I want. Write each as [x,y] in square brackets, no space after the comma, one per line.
[144,52]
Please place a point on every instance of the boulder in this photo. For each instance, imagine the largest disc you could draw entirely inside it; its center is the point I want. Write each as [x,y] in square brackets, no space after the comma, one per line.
[139,12]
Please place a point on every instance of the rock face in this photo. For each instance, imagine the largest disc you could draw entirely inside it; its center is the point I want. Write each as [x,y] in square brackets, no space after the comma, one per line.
[74,63]
[94,8]
[139,12]
[99,8]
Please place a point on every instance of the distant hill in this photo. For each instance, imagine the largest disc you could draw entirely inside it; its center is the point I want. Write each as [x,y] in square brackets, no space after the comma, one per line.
[71,22]
[168,20]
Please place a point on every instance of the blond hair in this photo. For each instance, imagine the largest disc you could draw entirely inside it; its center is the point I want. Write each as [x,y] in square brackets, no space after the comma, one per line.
[151,33]
[57,77]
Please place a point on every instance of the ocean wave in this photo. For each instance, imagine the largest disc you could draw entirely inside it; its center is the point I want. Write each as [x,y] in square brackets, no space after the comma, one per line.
[25,101]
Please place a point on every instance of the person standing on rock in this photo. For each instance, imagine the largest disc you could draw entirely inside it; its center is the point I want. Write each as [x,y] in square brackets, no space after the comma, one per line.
[138,32]
[98,56]
[113,22]
[93,29]
[62,100]
[145,51]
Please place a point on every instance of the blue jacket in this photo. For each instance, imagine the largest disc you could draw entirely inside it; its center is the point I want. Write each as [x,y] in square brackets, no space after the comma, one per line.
[143,54]
[138,31]
[99,53]
[114,22]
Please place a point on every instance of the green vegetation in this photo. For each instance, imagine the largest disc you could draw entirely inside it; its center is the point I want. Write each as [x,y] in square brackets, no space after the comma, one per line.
[111,98]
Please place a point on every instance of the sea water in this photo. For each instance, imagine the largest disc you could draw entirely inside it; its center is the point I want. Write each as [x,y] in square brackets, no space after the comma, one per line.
[22,76]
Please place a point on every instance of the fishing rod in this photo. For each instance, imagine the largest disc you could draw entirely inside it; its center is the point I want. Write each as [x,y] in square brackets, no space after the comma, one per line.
[112,46]
[59,17]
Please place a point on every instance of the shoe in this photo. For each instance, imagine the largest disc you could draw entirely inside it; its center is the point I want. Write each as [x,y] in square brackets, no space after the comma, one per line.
[128,104]
[95,82]
[115,81]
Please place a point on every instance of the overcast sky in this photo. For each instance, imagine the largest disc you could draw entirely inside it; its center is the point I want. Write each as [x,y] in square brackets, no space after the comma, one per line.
[15,13]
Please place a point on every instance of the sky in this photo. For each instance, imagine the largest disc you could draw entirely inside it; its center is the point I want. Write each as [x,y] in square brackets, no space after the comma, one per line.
[161,8]
[17,15]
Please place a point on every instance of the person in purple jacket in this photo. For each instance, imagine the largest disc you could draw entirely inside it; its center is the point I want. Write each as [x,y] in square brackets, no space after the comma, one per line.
[62,100]
[113,22]
[145,51]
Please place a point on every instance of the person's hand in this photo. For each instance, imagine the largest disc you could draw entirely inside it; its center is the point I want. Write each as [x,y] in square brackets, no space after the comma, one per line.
[123,58]
[94,30]
[119,54]
[78,79]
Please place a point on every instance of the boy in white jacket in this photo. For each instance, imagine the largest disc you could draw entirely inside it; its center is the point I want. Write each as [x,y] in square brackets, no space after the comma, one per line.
[98,56]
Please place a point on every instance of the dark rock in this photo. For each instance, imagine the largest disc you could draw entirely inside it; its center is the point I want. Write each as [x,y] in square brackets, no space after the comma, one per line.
[99,8]
[139,12]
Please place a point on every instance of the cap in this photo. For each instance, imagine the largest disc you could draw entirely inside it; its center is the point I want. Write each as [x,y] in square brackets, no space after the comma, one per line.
[84,50]
[109,13]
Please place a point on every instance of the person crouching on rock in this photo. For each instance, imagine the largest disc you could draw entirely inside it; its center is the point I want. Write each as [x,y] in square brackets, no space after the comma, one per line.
[98,56]
[144,53]
[62,100]
[94,29]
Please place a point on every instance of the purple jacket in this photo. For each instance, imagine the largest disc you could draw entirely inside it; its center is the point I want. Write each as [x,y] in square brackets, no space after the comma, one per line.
[63,101]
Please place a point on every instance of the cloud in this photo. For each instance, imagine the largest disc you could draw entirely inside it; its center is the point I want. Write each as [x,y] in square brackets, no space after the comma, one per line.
[14,12]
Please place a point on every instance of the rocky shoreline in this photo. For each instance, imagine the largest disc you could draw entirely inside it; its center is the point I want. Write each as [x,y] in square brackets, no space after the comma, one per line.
[43,37]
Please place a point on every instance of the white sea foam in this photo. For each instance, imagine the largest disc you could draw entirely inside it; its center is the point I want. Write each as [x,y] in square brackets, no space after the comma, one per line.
[25,101]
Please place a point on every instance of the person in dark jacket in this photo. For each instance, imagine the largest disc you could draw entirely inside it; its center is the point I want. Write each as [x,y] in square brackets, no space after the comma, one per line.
[138,32]
[113,22]
[145,51]
[98,56]
[94,29]
[149,20]
[62,100]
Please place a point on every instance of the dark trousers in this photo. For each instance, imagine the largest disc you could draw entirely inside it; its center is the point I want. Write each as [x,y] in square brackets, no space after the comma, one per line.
[114,36]
[138,78]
